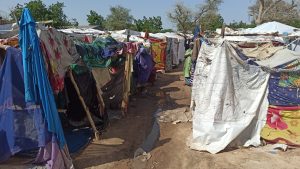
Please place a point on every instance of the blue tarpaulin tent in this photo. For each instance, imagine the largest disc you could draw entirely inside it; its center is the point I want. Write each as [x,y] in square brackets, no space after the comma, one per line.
[28,113]
[36,82]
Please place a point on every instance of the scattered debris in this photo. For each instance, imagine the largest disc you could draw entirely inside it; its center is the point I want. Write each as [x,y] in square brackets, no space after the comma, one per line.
[176,116]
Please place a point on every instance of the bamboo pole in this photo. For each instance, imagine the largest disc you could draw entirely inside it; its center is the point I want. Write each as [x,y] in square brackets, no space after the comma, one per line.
[87,111]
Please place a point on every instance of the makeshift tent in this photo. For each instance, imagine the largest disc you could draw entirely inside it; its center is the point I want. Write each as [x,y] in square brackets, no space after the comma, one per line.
[270,28]
[29,118]
[223,113]
[232,94]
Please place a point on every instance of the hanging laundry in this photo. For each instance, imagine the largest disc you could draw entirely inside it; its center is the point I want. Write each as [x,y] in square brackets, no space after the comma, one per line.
[187,66]
[100,52]
[59,52]
[158,51]
[143,66]
[175,45]
[169,54]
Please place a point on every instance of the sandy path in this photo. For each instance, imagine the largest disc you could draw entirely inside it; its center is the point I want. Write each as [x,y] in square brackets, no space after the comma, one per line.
[171,151]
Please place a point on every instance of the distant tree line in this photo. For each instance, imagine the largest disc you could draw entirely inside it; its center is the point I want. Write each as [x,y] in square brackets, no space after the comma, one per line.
[207,15]
[184,18]
[120,18]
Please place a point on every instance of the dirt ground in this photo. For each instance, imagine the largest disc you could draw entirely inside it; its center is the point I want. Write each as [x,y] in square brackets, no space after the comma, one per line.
[124,136]
[171,151]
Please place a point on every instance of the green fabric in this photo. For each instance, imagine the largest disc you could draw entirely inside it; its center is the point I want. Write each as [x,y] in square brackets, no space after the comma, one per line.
[79,69]
[187,63]
[92,61]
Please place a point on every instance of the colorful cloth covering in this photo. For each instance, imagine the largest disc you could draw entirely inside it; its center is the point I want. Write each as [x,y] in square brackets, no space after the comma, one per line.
[283,125]
[158,51]
[59,52]
[282,96]
[100,52]
[290,79]
[143,66]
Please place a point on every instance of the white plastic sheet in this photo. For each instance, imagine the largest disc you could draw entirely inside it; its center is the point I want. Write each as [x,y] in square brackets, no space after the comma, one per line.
[270,27]
[229,100]
[280,57]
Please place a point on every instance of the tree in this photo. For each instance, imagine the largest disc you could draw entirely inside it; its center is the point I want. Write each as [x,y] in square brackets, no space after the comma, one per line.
[182,16]
[166,30]
[40,12]
[95,19]
[119,19]
[270,10]
[56,13]
[210,7]
[4,18]
[37,8]
[74,22]
[211,21]
[241,24]
[206,14]
[151,24]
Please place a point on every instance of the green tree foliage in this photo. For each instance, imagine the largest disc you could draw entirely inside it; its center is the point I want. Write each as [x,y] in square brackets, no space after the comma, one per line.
[95,19]
[166,30]
[119,19]
[37,8]
[211,21]
[182,16]
[151,24]
[241,24]
[74,22]
[40,12]
[56,13]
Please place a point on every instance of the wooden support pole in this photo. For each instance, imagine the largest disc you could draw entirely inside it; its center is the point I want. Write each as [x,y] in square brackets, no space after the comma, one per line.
[126,83]
[101,102]
[223,31]
[87,111]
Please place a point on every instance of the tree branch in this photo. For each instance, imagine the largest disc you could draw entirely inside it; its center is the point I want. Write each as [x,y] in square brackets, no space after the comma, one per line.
[269,7]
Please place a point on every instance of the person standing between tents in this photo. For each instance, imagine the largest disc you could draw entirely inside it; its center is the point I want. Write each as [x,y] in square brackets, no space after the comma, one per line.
[188,65]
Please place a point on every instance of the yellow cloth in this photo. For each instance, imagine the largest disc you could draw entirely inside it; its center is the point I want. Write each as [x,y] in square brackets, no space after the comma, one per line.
[158,51]
[289,135]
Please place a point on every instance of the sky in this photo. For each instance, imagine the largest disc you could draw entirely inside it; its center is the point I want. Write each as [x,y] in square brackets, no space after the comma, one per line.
[231,10]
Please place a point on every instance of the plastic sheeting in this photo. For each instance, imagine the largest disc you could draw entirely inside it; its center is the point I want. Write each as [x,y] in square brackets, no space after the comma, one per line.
[229,100]
[270,27]
[36,82]
[22,126]
[280,57]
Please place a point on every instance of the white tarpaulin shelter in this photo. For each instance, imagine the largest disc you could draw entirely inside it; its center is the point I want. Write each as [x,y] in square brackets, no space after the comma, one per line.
[229,100]
[82,31]
[269,28]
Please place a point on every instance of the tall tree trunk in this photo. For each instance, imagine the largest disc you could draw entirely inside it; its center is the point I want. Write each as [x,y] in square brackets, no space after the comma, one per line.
[258,19]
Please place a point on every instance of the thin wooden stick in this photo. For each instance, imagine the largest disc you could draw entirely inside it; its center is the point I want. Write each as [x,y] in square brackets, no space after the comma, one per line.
[87,111]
